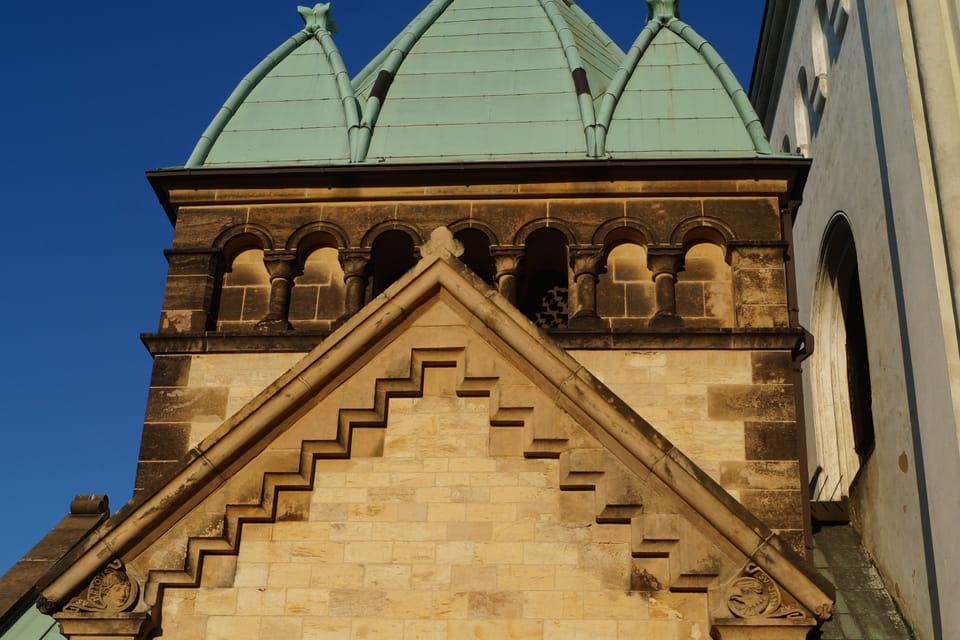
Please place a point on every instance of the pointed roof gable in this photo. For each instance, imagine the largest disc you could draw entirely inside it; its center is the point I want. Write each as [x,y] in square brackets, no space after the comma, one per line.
[295,107]
[675,96]
[440,291]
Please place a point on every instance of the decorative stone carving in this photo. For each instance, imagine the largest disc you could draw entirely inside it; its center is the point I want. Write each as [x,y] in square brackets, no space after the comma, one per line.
[441,243]
[111,591]
[756,595]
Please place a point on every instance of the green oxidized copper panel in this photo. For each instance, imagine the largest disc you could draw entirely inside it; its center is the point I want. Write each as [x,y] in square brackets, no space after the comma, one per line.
[33,625]
[674,104]
[488,80]
[293,116]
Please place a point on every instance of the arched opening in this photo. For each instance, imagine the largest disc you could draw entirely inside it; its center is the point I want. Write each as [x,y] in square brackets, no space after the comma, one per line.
[840,368]
[544,290]
[391,256]
[244,293]
[476,254]
[801,112]
[318,292]
[626,293]
[705,286]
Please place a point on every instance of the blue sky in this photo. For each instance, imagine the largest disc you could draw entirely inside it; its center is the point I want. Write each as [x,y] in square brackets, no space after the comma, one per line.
[93,96]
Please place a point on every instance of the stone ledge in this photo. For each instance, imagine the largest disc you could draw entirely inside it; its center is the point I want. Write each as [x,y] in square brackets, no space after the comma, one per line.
[304,341]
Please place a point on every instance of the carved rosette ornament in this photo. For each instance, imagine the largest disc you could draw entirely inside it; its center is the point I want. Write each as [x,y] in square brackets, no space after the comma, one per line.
[756,595]
[111,591]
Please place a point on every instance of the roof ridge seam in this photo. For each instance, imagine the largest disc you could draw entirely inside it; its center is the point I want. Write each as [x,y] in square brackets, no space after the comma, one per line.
[240,93]
[392,57]
[610,99]
[571,52]
[720,68]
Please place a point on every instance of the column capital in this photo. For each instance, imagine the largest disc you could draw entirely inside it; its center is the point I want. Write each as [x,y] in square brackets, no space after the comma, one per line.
[665,260]
[586,259]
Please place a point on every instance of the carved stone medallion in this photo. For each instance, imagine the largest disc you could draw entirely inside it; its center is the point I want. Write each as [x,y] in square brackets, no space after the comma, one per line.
[111,591]
[756,595]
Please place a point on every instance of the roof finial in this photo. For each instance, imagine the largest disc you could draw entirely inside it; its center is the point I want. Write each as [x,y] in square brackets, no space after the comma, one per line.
[320,18]
[663,10]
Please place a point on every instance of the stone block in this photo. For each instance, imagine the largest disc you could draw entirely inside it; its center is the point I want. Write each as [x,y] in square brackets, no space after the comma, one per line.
[164,441]
[187,292]
[357,603]
[556,605]
[495,604]
[170,405]
[272,627]
[779,509]
[512,629]
[766,475]
[580,630]
[233,628]
[755,316]
[690,300]
[387,576]
[771,441]
[170,371]
[772,367]
[751,218]
[473,578]
[751,402]
[761,286]
[615,605]
[405,604]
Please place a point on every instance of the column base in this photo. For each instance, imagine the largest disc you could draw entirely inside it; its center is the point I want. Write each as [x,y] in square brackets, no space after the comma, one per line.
[587,321]
[666,320]
[274,324]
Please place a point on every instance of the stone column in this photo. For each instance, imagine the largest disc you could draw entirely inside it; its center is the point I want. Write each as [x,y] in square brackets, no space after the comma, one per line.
[354,263]
[508,261]
[665,264]
[283,267]
[585,262]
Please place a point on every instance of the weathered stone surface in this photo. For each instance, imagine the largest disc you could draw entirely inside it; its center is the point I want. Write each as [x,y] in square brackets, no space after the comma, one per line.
[749,402]
[771,441]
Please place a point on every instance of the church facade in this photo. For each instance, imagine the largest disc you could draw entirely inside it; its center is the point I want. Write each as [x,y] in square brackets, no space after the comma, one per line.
[497,339]
[869,91]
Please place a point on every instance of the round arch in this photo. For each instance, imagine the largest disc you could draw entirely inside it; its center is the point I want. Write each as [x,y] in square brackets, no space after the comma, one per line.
[840,369]
[520,239]
[377,230]
[243,236]
[619,230]
[702,229]
[304,235]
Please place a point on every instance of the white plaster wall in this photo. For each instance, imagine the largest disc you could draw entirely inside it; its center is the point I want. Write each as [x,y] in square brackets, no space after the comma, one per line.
[885,209]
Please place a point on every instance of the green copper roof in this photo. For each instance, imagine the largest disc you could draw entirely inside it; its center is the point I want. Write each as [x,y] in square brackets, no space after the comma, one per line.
[30,624]
[677,97]
[479,80]
[491,79]
[295,107]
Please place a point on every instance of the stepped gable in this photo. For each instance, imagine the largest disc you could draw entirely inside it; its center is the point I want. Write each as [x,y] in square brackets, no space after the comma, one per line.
[516,404]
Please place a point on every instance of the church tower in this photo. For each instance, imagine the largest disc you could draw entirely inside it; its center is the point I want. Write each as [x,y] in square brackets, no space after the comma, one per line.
[495,339]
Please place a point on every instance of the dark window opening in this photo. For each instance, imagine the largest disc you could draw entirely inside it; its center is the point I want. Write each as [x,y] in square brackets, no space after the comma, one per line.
[392,255]
[476,254]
